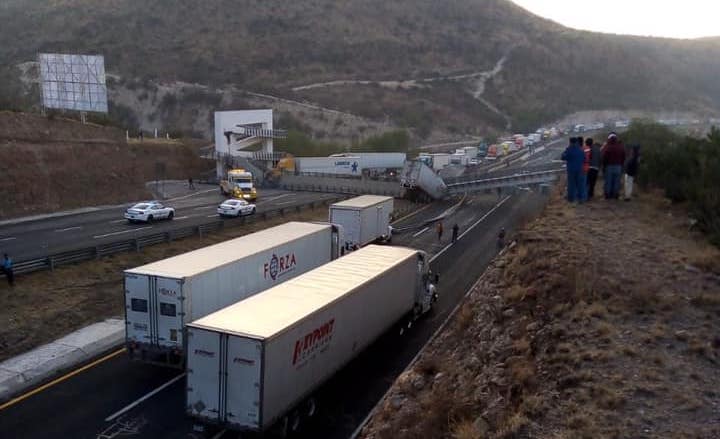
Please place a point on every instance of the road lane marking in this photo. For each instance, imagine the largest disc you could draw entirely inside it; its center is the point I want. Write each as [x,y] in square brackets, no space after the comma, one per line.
[409,215]
[421,232]
[213,216]
[59,380]
[192,195]
[7,239]
[204,207]
[121,232]
[118,221]
[275,198]
[219,434]
[149,395]
[437,255]
[68,229]
[181,218]
[286,202]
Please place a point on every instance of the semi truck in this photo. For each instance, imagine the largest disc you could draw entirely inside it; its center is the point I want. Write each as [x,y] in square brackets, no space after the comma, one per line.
[255,365]
[363,219]
[239,184]
[161,297]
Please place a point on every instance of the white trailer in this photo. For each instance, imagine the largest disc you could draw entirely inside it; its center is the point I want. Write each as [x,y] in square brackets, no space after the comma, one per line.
[161,297]
[377,160]
[259,361]
[363,219]
[330,165]
[440,160]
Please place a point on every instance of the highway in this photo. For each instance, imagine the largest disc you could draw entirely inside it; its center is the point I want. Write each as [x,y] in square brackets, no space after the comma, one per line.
[119,398]
[46,236]
[84,405]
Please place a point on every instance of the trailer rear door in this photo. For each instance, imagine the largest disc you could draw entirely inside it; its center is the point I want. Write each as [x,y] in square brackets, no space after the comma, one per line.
[169,312]
[137,308]
[243,385]
[204,372]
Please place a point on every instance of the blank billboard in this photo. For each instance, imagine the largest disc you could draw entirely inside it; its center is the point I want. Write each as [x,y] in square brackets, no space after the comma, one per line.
[73,82]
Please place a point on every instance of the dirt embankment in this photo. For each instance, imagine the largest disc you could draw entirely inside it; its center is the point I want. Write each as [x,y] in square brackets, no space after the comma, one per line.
[56,164]
[603,321]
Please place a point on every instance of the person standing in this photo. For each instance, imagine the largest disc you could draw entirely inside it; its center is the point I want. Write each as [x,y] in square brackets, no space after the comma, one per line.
[575,158]
[631,171]
[455,230]
[191,185]
[501,239]
[613,159]
[439,229]
[585,169]
[595,159]
[8,269]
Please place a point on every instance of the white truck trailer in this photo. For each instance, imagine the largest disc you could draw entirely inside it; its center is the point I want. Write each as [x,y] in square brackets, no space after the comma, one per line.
[161,297]
[256,364]
[363,219]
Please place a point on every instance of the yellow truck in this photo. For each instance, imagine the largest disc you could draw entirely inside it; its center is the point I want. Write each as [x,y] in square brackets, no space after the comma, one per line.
[239,184]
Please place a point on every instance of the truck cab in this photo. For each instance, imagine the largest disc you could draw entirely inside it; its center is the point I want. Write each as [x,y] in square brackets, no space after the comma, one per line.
[239,184]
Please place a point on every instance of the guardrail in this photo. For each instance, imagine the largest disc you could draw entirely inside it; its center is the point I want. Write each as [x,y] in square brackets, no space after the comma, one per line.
[49,262]
[505,181]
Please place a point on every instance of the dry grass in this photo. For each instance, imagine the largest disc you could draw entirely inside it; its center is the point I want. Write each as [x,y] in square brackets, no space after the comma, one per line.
[44,306]
[465,430]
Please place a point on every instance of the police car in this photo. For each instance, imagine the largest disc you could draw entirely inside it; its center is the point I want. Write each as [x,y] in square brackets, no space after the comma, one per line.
[149,211]
[235,207]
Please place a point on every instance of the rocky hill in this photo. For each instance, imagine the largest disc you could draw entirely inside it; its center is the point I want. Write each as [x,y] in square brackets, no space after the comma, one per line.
[457,67]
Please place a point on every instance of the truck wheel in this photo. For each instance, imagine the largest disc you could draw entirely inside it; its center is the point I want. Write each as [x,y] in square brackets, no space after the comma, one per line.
[295,422]
[311,407]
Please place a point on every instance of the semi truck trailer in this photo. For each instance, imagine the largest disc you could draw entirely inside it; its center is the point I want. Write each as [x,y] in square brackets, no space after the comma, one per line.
[255,365]
[161,297]
[363,219]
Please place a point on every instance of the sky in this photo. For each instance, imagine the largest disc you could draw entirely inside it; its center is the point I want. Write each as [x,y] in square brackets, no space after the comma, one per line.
[658,18]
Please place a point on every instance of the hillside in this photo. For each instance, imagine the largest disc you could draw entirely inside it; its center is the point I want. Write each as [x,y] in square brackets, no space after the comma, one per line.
[453,68]
[56,164]
[589,327]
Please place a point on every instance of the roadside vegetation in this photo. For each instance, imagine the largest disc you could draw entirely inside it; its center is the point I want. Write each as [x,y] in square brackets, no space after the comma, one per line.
[601,322]
[686,168]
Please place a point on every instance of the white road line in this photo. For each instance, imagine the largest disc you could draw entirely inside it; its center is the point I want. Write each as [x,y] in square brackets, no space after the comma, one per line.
[469,202]
[68,229]
[118,221]
[178,218]
[149,395]
[213,216]
[437,255]
[192,195]
[286,202]
[121,232]
[219,434]
[277,197]
[204,207]
[10,238]
[421,232]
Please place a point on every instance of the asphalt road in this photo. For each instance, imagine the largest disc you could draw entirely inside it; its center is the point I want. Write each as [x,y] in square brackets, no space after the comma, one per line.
[42,237]
[79,406]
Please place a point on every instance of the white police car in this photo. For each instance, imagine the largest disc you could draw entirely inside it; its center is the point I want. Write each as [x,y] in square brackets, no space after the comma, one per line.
[149,211]
[234,207]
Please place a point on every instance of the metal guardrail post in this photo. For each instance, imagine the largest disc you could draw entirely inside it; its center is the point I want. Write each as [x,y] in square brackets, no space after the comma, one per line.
[168,236]
[97,252]
[200,231]
[51,263]
[137,245]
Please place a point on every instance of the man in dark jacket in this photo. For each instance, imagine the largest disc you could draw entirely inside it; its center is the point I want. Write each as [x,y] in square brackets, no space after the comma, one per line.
[631,171]
[575,157]
[595,160]
[613,158]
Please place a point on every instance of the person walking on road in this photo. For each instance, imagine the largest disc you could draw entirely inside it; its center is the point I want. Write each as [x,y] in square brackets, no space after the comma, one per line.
[191,185]
[594,168]
[613,159]
[439,229]
[8,270]
[631,171]
[575,157]
[501,239]
[455,231]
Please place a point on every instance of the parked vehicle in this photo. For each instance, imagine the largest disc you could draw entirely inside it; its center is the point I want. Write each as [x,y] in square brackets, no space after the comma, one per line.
[363,219]
[255,365]
[149,211]
[161,297]
[235,207]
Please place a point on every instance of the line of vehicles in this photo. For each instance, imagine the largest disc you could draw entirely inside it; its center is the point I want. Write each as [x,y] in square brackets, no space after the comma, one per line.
[261,321]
